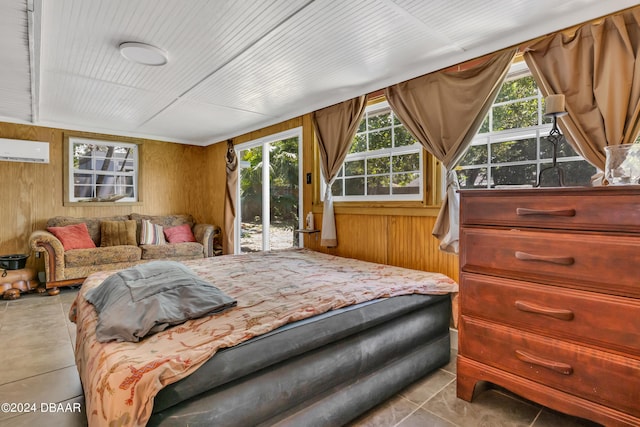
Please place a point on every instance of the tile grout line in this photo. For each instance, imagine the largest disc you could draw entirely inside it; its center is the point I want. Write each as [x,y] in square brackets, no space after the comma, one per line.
[408,415]
[423,403]
[37,375]
[535,419]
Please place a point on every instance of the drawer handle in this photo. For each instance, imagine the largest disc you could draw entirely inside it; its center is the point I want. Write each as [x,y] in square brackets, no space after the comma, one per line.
[559,367]
[561,260]
[557,313]
[553,212]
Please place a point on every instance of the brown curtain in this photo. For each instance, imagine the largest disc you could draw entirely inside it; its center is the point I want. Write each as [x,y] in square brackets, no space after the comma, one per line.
[335,128]
[598,71]
[230,199]
[444,110]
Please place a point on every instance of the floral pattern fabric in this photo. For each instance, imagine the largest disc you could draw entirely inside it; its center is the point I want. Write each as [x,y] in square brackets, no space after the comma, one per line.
[121,379]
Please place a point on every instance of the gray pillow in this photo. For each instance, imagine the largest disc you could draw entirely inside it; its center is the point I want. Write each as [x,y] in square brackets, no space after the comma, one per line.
[149,298]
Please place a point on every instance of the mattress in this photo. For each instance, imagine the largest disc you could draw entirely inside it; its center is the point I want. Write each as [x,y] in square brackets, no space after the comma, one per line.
[297,373]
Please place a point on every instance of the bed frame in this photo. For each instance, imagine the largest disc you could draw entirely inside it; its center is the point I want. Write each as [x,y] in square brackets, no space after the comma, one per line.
[324,371]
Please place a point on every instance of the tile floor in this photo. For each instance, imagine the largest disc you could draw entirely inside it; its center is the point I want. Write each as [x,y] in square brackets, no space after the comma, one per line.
[37,367]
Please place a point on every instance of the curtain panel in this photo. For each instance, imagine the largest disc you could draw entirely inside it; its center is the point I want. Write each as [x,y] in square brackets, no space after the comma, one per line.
[598,70]
[444,110]
[230,199]
[335,128]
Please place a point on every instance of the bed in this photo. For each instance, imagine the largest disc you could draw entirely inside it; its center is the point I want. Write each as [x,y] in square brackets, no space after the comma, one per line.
[315,339]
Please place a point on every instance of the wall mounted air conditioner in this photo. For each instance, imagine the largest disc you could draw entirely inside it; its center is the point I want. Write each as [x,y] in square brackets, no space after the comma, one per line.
[17,150]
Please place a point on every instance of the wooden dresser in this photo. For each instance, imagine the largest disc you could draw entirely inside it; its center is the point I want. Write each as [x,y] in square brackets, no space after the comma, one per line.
[550,298]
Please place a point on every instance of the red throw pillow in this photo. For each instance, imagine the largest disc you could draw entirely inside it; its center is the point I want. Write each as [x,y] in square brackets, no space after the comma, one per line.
[179,234]
[74,236]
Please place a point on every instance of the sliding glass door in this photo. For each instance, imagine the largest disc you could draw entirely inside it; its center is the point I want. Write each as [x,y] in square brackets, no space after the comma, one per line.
[269,192]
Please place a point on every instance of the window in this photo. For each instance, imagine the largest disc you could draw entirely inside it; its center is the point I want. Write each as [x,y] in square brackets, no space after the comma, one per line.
[512,147]
[101,171]
[384,162]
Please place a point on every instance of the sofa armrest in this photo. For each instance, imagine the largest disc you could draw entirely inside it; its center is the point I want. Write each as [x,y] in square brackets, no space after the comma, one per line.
[48,244]
[210,237]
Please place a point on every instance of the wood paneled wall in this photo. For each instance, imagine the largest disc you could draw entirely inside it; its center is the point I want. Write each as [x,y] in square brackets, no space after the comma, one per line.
[175,178]
[404,241]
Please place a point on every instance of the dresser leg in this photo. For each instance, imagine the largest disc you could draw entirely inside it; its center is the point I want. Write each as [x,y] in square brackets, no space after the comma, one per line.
[465,380]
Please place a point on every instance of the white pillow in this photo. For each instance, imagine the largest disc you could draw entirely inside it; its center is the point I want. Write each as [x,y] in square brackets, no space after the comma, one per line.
[151,234]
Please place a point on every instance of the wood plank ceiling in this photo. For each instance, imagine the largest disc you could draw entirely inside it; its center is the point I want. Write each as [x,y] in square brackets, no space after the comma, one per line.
[239,65]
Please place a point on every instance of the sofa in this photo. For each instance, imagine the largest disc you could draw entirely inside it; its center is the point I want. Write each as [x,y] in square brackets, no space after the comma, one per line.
[112,243]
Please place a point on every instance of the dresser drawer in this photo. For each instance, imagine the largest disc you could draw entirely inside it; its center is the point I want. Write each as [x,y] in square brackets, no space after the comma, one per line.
[598,262]
[576,315]
[595,375]
[604,209]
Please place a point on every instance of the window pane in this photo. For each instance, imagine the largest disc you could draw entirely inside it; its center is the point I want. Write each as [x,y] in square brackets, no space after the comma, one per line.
[564,149]
[83,191]
[355,167]
[83,163]
[378,165]
[403,137]
[514,175]
[105,164]
[336,188]
[516,115]
[406,162]
[476,154]
[513,151]
[518,88]
[126,165]
[484,128]
[354,187]
[378,185]
[379,140]
[82,179]
[250,190]
[575,173]
[406,183]
[473,178]
[578,172]
[379,120]
[359,144]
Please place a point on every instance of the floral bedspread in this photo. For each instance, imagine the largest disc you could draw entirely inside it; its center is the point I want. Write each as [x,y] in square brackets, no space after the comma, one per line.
[121,379]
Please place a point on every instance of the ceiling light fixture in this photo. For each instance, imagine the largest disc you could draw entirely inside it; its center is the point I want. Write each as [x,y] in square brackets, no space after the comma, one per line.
[142,53]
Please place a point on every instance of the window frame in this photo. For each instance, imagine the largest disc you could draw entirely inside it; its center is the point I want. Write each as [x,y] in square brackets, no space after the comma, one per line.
[69,185]
[374,106]
[265,143]
[538,132]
